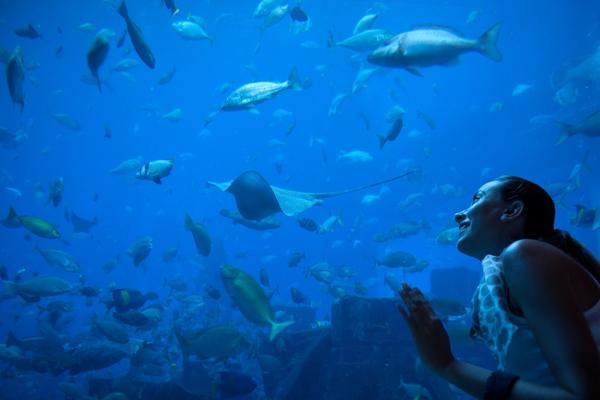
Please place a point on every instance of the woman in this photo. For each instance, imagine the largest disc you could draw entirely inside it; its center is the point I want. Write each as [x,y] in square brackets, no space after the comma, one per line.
[537,306]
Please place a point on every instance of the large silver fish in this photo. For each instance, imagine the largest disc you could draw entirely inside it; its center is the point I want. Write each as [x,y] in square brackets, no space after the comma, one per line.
[256,92]
[423,47]
[15,76]
[590,126]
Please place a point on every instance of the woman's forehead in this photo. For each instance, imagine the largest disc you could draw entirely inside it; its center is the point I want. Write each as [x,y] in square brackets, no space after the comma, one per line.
[490,187]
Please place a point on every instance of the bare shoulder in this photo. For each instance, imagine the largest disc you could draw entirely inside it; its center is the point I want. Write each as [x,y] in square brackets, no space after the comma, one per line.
[528,256]
[532,266]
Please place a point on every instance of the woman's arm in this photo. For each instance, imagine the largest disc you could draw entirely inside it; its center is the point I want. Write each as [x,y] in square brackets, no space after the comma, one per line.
[433,346]
[537,282]
[539,276]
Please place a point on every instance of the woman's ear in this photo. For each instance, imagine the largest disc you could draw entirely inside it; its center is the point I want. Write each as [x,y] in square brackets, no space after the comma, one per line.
[513,211]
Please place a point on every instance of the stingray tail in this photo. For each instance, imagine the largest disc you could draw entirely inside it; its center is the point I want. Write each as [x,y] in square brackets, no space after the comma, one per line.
[487,43]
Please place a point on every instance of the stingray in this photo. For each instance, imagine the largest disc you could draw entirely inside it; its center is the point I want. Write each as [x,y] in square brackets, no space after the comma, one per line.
[80,224]
[256,199]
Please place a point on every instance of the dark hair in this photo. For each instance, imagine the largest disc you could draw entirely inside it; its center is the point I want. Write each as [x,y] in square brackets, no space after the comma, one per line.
[539,220]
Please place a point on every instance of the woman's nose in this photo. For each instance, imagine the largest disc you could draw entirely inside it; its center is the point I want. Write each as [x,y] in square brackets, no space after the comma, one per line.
[459,217]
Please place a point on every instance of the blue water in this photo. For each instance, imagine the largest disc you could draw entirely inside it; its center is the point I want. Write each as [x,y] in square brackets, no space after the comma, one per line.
[538,40]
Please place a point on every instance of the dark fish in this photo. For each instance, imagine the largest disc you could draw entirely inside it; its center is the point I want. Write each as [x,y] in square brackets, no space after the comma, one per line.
[264,224]
[55,192]
[97,356]
[166,78]
[428,120]
[295,258]
[107,128]
[200,235]
[170,4]
[3,273]
[264,277]
[308,224]
[121,39]
[127,299]
[234,384]
[133,318]
[297,296]
[58,50]
[140,250]
[170,254]
[137,39]
[15,76]
[297,14]
[96,55]
[213,292]
[113,331]
[392,134]
[28,32]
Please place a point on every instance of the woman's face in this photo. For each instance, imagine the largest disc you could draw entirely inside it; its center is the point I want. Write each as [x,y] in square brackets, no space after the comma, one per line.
[480,226]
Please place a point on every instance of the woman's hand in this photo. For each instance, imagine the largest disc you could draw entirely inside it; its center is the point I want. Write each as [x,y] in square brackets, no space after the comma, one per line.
[430,336]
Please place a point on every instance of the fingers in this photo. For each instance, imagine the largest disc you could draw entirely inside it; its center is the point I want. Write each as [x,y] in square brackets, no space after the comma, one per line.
[418,308]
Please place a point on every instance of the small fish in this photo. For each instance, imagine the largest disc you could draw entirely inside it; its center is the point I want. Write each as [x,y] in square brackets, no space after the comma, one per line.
[140,250]
[137,39]
[295,258]
[251,94]
[107,130]
[298,297]
[87,27]
[251,300]
[125,65]
[264,277]
[366,22]
[337,102]
[35,225]
[200,235]
[428,120]
[15,77]
[127,166]
[67,121]
[367,40]
[173,115]
[167,76]
[274,17]
[297,14]
[265,7]
[55,192]
[190,30]
[13,191]
[397,259]
[355,156]
[473,16]
[28,32]
[155,170]
[520,89]
[586,217]
[392,133]
[170,4]
[308,224]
